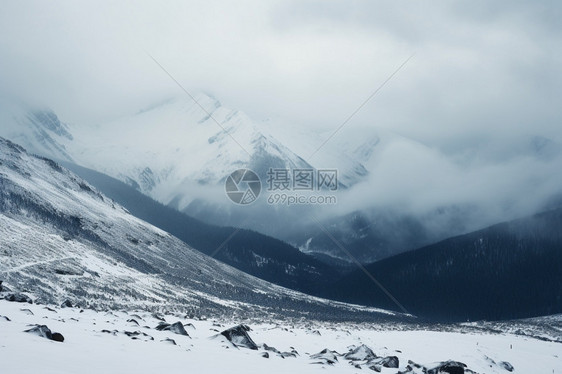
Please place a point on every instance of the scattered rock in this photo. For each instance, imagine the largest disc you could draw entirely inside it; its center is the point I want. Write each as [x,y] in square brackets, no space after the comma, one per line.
[138,335]
[132,320]
[50,309]
[176,328]
[19,298]
[137,317]
[270,349]
[41,330]
[287,354]
[361,353]
[326,356]
[506,365]
[169,341]
[448,367]
[265,355]
[66,304]
[44,332]
[238,336]
[5,318]
[387,362]
[28,312]
[159,317]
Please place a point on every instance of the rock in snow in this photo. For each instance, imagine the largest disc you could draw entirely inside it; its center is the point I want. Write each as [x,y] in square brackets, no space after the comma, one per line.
[176,328]
[138,335]
[44,332]
[326,356]
[361,353]
[238,336]
[19,298]
[388,362]
[506,365]
[169,341]
[449,367]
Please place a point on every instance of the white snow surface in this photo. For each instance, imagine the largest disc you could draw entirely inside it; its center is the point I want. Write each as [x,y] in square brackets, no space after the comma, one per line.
[86,349]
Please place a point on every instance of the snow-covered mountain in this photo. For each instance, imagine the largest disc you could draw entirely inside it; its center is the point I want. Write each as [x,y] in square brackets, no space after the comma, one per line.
[62,239]
[38,130]
[162,149]
[168,148]
[180,152]
[168,307]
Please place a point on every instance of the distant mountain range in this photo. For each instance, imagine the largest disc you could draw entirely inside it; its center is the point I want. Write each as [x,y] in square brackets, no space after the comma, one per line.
[506,271]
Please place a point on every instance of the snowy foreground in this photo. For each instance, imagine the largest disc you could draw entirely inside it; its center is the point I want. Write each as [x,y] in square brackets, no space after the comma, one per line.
[128,342]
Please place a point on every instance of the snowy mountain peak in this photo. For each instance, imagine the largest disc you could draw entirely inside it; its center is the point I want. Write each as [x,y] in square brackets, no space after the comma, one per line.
[39,130]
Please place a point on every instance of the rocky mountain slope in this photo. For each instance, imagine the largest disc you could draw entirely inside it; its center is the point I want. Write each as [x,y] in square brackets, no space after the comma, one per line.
[62,239]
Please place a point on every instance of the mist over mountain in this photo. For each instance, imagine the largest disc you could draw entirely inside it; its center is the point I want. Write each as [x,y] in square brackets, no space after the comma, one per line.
[64,240]
[393,194]
[254,253]
[281,186]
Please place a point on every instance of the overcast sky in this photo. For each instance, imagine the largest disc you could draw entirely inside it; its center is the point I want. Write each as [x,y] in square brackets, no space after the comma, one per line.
[484,79]
[480,68]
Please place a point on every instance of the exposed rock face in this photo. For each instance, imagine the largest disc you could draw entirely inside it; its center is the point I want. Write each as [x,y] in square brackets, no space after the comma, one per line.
[138,335]
[176,328]
[66,304]
[57,336]
[326,356]
[360,353]
[238,336]
[19,298]
[449,367]
[44,332]
[506,365]
[389,362]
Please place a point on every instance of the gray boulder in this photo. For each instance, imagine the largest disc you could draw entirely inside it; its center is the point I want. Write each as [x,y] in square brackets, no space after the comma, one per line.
[44,332]
[238,336]
[176,328]
[19,298]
